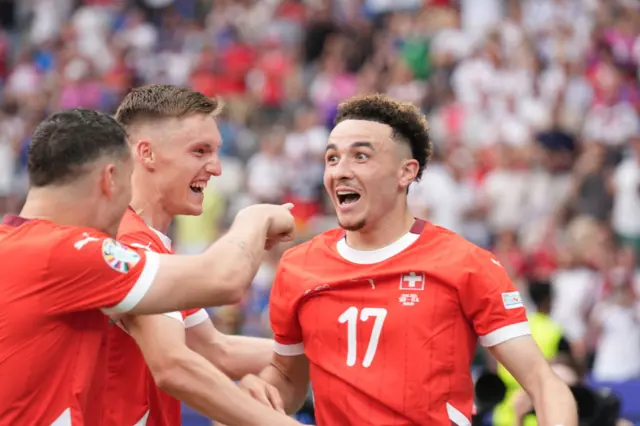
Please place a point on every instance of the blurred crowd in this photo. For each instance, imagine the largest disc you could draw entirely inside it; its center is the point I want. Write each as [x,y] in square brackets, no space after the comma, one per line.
[533,106]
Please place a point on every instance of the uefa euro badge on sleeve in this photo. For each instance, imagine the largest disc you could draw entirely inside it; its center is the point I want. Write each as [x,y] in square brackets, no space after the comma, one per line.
[512,300]
[118,256]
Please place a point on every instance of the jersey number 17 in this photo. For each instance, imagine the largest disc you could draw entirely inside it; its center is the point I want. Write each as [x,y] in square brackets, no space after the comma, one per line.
[351,317]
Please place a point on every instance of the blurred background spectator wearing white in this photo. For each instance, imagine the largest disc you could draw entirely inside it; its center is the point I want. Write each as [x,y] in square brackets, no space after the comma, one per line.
[533,107]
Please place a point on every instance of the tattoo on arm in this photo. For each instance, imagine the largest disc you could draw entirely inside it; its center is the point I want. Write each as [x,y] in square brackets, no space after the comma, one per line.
[253,258]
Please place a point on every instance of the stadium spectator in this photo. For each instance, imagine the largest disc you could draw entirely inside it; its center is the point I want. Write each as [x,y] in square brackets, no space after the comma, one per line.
[533,106]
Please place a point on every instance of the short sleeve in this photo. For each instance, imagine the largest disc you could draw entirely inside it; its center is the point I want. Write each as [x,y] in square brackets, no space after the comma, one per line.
[283,315]
[89,271]
[189,318]
[491,302]
[194,317]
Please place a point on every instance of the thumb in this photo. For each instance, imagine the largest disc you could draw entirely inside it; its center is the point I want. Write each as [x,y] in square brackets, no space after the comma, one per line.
[288,206]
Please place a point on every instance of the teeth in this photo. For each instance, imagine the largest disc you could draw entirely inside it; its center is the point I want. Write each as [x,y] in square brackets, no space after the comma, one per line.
[200,185]
[347,193]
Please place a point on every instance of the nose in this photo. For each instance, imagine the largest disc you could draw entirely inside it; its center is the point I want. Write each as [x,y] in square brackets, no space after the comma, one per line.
[342,170]
[214,167]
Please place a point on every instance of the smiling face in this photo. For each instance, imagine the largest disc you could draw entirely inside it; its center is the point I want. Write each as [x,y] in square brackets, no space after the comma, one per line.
[182,158]
[367,172]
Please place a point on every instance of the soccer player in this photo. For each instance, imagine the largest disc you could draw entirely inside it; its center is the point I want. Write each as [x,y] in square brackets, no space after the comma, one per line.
[60,267]
[175,143]
[385,312]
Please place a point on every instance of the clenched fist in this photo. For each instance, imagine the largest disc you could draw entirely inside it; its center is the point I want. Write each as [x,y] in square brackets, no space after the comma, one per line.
[262,391]
[281,222]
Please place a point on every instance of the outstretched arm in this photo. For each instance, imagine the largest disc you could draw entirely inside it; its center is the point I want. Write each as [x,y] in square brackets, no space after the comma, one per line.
[190,378]
[288,370]
[553,401]
[235,356]
[221,274]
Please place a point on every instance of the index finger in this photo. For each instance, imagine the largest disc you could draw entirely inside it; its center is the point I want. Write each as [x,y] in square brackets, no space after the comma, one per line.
[288,206]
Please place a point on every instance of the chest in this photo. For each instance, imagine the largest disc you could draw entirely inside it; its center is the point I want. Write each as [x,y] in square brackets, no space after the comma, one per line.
[368,314]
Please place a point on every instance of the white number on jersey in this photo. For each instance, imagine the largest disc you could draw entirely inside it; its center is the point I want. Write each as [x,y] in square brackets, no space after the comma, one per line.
[350,316]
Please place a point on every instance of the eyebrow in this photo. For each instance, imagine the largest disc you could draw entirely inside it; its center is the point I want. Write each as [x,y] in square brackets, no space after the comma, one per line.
[205,144]
[359,144]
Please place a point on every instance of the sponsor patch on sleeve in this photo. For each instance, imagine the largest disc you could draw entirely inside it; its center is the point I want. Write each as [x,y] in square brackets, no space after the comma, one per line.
[118,256]
[512,300]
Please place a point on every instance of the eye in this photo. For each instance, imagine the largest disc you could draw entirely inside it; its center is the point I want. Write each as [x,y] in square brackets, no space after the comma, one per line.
[362,156]
[332,158]
[199,151]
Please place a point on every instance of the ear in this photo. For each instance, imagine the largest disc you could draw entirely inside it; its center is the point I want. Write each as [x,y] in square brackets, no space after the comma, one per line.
[108,180]
[143,153]
[408,173]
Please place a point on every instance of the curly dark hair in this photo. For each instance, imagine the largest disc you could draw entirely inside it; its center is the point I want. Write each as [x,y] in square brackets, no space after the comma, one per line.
[409,125]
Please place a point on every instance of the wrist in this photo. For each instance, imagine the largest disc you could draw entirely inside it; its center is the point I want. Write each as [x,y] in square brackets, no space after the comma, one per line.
[253,216]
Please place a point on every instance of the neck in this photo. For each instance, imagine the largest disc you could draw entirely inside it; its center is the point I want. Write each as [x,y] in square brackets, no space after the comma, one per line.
[386,231]
[147,204]
[58,205]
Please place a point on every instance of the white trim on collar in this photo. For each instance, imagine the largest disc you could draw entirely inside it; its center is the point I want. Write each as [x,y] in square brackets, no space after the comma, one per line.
[370,257]
[166,241]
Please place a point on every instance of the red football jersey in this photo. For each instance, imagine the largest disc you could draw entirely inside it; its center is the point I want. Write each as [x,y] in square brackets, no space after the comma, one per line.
[132,397]
[392,332]
[53,282]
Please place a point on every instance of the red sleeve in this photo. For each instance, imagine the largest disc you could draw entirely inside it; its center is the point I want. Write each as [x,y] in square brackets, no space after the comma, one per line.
[491,302]
[89,271]
[141,240]
[194,317]
[283,315]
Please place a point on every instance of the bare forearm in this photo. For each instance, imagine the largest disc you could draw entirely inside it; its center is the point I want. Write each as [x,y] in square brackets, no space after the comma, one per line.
[555,405]
[242,355]
[293,394]
[207,390]
[219,276]
[236,257]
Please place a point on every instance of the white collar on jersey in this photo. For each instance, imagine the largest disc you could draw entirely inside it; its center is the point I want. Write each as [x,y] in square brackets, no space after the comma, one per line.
[369,257]
[166,241]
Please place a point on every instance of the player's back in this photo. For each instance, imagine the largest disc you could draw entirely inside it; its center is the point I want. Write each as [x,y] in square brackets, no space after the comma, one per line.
[392,330]
[49,358]
[55,283]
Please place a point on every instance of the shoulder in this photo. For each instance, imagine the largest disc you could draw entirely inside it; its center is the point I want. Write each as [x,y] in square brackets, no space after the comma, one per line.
[440,241]
[310,251]
[62,237]
[142,240]
[56,245]
[5,230]
[132,225]
[304,265]
[70,246]
[135,232]
[453,253]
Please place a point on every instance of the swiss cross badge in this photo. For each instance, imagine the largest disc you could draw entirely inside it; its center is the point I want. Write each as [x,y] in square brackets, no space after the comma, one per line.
[412,281]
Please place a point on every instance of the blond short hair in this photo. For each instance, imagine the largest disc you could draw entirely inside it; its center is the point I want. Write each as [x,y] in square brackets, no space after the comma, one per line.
[158,101]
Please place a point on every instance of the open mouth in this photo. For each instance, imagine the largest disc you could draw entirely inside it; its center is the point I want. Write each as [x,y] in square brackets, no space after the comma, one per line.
[198,187]
[347,197]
